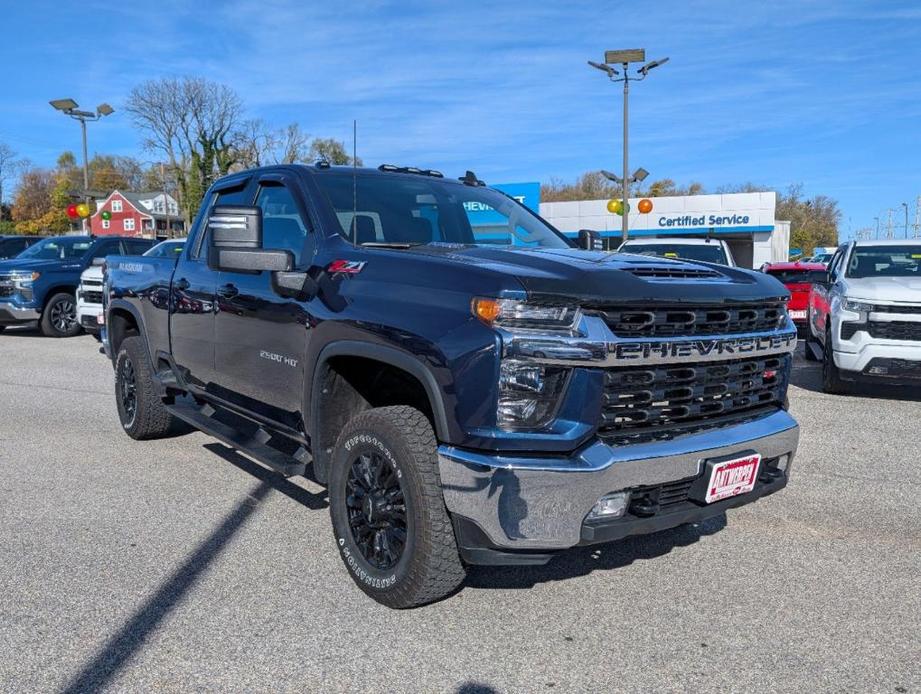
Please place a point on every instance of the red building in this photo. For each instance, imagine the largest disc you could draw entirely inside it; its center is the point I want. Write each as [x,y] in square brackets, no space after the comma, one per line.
[137,214]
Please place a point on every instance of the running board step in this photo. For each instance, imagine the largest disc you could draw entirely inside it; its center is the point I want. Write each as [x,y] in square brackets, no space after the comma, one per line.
[816,350]
[255,447]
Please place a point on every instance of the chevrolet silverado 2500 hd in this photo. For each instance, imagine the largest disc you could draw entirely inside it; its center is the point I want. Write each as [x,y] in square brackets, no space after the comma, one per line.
[472,387]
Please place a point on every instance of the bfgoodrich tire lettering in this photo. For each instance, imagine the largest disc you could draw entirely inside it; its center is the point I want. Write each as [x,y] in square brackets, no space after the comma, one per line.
[387,457]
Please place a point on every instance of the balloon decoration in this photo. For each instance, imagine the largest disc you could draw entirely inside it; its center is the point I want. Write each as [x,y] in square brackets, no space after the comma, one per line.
[645,205]
[72,211]
[83,210]
[617,207]
[106,215]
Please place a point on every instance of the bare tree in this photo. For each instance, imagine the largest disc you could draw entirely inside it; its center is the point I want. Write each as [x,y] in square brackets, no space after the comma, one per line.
[190,121]
[10,166]
[259,145]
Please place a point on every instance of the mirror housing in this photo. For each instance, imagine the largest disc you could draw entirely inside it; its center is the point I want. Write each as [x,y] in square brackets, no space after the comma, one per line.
[98,262]
[590,240]
[235,226]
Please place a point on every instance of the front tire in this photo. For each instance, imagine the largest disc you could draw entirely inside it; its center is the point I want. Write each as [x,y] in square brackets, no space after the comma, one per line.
[389,519]
[831,375]
[59,319]
[140,410]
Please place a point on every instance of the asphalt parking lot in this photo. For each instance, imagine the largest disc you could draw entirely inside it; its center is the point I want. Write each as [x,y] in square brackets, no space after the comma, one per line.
[178,565]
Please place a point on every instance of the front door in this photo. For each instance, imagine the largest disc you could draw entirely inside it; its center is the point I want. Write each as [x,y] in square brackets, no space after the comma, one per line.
[192,301]
[261,337]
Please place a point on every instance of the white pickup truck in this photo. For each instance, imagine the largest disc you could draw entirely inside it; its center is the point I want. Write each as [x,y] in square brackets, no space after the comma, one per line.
[865,320]
[706,250]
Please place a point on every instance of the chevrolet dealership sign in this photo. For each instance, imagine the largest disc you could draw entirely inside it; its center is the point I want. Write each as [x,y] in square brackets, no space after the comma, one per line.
[730,213]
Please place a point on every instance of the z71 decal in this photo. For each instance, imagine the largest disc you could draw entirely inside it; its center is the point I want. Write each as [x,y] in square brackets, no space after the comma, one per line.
[347,267]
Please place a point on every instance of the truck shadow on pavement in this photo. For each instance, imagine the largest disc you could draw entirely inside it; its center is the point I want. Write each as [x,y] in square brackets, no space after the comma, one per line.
[122,646]
[581,561]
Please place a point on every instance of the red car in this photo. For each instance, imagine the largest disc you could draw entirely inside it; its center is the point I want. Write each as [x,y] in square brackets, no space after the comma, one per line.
[798,277]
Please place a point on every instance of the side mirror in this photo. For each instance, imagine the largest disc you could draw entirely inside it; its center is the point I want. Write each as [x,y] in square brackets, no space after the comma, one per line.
[590,240]
[236,242]
[98,261]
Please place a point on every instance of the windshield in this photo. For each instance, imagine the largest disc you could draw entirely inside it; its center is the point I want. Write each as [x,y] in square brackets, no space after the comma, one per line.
[708,253]
[885,261]
[395,209]
[793,276]
[166,248]
[62,248]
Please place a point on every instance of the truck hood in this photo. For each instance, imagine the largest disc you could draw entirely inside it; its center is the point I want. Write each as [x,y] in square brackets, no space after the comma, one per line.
[884,289]
[596,277]
[28,265]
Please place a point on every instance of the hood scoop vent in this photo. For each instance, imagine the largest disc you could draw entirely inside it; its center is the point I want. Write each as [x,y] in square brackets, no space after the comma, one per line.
[664,272]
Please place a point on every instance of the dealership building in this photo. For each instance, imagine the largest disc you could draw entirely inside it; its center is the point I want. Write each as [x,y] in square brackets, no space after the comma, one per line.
[744,220]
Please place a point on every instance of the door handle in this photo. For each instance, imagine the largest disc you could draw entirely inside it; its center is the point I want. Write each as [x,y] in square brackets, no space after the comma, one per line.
[181,284]
[228,291]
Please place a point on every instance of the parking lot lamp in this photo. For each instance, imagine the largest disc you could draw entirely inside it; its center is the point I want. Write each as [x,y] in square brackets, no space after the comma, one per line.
[905,205]
[624,58]
[69,107]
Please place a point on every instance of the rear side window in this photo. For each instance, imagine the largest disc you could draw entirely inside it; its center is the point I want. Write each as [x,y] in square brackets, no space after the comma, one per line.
[137,247]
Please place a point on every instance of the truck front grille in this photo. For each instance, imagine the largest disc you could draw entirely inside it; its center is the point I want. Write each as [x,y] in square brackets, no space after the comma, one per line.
[659,403]
[895,330]
[93,297]
[658,321]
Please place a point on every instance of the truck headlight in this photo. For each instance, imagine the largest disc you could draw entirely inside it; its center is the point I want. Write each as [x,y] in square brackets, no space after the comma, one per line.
[528,393]
[24,279]
[857,306]
[513,314]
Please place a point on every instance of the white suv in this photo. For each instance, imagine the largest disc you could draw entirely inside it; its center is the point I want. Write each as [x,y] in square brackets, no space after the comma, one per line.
[865,321]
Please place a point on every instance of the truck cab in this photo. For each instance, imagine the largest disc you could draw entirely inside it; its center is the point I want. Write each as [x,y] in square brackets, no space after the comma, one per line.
[686,248]
[470,391]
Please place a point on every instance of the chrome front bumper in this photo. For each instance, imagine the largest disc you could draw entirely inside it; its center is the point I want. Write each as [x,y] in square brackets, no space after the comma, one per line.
[11,313]
[523,503]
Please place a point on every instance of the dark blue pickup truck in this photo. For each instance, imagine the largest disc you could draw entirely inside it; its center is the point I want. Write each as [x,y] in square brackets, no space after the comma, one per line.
[40,283]
[472,386]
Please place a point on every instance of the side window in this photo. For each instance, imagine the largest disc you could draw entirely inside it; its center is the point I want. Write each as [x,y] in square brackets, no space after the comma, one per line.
[282,225]
[228,196]
[136,247]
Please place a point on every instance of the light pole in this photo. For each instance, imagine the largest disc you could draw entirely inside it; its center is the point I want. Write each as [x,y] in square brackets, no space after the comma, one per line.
[905,205]
[877,227]
[69,108]
[624,58]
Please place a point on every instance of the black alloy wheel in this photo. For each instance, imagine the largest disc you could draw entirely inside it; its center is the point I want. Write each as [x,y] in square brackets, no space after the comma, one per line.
[127,386]
[376,510]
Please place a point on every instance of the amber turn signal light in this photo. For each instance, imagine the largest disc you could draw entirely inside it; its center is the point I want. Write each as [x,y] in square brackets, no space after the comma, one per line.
[487,310]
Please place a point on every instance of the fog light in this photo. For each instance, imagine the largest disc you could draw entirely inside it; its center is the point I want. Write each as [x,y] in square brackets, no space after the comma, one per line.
[610,506]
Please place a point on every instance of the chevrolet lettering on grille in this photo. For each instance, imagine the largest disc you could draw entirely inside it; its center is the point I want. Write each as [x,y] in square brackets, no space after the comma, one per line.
[701,349]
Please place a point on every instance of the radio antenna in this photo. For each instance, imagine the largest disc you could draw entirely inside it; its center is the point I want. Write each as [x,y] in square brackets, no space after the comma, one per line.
[355,182]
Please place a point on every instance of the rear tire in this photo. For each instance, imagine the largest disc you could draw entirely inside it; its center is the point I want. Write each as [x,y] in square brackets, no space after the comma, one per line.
[809,341]
[59,319]
[140,410]
[388,513]
[831,374]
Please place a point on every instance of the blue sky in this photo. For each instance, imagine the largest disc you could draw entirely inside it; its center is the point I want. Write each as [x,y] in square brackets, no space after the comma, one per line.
[827,94]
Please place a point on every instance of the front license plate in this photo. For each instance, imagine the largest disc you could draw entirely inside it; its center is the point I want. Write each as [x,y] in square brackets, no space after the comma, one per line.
[732,477]
[798,315]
